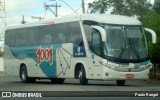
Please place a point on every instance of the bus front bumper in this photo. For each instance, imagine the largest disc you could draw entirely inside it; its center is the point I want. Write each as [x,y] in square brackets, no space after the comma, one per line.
[109,74]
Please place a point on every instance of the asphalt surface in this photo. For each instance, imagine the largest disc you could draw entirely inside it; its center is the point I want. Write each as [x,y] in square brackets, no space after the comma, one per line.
[95,90]
[10,83]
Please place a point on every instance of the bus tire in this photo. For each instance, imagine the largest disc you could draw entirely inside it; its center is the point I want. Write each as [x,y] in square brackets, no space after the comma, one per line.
[82,76]
[120,82]
[24,75]
[57,80]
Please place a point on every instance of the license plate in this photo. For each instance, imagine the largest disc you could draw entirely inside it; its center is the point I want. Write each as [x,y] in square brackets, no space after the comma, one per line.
[129,75]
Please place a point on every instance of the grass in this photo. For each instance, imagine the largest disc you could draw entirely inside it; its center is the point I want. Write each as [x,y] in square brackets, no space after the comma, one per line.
[1,72]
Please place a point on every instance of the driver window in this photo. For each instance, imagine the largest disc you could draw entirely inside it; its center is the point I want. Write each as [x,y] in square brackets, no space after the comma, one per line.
[96,42]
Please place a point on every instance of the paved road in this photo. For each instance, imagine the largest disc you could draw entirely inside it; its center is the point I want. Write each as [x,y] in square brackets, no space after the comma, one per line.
[99,88]
[10,83]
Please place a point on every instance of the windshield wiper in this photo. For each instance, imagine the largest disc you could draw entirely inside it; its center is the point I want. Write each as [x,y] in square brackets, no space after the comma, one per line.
[133,49]
[135,41]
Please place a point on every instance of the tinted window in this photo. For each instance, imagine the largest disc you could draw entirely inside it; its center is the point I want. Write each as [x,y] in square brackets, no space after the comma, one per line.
[96,42]
[74,33]
[33,35]
[21,36]
[10,37]
[46,34]
[88,32]
[59,33]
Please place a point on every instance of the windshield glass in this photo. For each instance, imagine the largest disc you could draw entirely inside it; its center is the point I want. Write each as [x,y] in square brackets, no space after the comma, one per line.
[125,42]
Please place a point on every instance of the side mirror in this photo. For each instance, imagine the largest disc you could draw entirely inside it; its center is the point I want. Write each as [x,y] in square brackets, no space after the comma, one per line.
[154,37]
[102,32]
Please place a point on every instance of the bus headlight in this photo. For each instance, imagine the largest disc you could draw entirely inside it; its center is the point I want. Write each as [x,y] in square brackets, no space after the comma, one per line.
[109,66]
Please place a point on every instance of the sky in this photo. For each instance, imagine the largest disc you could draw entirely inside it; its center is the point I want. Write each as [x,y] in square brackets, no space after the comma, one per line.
[15,9]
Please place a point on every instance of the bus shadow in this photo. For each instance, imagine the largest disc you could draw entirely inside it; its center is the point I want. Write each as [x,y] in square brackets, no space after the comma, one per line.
[75,84]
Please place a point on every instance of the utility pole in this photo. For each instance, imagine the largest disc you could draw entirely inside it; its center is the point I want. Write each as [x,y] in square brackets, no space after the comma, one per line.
[56,8]
[83,7]
[3,23]
[23,22]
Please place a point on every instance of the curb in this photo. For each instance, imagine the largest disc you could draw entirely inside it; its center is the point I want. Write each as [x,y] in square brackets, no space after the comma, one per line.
[153,81]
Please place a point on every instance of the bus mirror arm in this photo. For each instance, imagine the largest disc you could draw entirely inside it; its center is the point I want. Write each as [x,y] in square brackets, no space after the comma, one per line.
[101,30]
[154,37]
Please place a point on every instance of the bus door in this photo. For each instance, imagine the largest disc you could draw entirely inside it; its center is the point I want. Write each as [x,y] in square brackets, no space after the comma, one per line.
[95,57]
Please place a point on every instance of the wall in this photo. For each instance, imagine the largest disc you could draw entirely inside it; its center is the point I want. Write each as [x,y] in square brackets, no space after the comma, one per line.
[1,64]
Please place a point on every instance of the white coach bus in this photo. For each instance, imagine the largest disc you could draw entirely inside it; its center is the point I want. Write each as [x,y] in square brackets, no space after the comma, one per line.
[85,47]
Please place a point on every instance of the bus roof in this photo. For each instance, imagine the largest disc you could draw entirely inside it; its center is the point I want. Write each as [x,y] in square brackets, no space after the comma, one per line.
[111,19]
[102,18]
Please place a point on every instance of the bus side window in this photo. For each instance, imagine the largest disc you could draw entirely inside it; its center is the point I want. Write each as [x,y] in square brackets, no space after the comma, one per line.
[46,34]
[59,33]
[33,36]
[88,32]
[96,42]
[10,37]
[21,37]
[74,33]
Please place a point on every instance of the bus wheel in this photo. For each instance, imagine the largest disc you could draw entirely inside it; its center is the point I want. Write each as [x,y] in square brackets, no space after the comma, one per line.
[24,76]
[58,80]
[82,76]
[120,82]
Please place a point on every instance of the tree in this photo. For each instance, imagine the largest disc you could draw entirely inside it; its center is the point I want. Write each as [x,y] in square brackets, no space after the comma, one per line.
[153,22]
[1,53]
[138,8]
[100,6]
[157,5]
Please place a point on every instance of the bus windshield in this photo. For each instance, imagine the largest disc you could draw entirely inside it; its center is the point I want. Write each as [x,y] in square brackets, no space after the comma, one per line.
[125,42]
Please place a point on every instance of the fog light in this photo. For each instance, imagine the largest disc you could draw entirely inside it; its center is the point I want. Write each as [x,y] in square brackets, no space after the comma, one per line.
[106,74]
